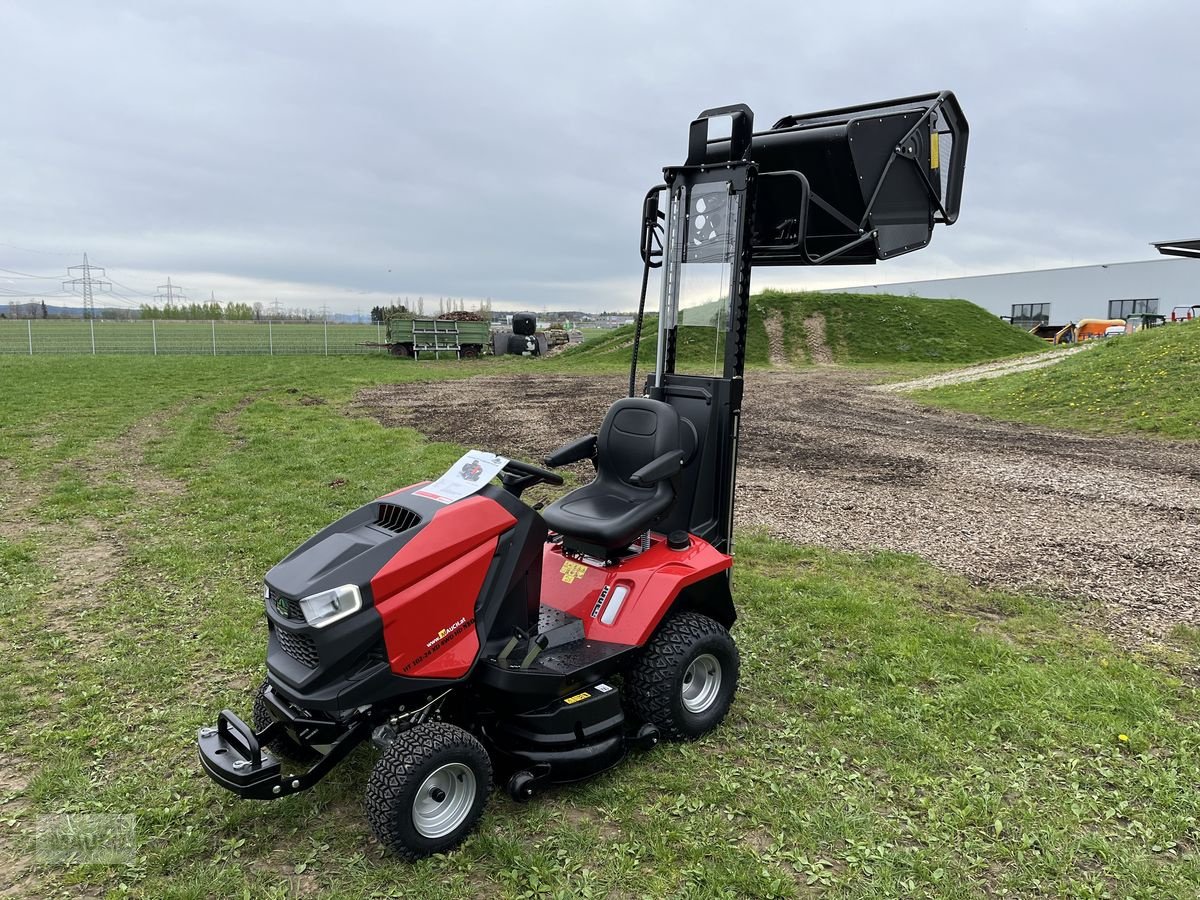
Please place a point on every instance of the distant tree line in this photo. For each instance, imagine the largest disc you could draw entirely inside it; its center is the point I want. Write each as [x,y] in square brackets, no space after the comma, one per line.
[417,310]
[25,311]
[383,313]
[204,311]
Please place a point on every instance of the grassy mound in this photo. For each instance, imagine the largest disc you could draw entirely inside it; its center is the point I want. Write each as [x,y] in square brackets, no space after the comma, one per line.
[859,328]
[1144,382]
[866,328]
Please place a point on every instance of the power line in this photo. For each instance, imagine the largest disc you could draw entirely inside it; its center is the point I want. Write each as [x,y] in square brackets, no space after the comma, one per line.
[132,290]
[8,292]
[88,283]
[131,304]
[27,275]
[40,252]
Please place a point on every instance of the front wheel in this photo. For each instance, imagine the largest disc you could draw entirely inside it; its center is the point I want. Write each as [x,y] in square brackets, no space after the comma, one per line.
[428,789]
[686,677]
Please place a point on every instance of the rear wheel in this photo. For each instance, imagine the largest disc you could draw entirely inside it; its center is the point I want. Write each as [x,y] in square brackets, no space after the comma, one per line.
[428,789]
[282,744]
[686,677]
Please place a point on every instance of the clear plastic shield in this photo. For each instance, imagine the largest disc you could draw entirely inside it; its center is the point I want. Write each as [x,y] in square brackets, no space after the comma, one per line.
[702,241]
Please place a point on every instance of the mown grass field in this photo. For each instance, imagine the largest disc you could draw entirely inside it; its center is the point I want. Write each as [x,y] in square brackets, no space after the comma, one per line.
[897,733]
[165,338]
[1148,382]
[860,329]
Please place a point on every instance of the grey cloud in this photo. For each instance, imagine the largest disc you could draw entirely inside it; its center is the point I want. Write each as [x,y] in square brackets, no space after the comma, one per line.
[502,149]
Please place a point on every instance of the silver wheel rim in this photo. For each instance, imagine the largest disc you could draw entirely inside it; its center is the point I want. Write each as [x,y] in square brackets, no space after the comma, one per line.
[701,683]
[444,800]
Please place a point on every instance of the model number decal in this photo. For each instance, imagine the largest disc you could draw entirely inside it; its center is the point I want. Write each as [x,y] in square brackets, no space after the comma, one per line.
[600,601]
[441,641]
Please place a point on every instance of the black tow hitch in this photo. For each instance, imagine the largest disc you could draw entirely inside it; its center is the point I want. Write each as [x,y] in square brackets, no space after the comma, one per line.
[233,756]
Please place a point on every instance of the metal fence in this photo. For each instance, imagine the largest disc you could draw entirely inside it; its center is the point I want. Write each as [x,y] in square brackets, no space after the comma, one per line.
[32,337]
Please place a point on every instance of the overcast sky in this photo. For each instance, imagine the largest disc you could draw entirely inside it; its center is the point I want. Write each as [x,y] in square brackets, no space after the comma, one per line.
[350,153]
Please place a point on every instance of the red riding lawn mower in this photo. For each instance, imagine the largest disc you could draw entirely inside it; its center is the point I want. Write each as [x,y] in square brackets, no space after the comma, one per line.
[474,639]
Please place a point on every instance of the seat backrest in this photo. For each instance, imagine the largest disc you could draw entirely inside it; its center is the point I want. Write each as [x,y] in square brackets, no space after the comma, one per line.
[635,431]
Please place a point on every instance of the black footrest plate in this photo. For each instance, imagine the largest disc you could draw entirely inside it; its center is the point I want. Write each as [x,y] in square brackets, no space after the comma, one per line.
[558,627]
[576,655]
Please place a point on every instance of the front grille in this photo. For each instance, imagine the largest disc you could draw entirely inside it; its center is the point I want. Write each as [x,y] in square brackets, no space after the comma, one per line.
[299,647]
[286,606]
[396,518]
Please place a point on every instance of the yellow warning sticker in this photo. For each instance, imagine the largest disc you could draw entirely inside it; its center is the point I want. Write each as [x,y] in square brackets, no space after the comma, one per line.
[934,152]
[583,695]
[572,571]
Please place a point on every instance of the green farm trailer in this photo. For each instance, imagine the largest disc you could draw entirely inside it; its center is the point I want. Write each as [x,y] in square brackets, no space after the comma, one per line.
[438,338]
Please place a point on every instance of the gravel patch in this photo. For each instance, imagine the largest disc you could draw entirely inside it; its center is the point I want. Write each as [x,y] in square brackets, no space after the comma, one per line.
[1109,521]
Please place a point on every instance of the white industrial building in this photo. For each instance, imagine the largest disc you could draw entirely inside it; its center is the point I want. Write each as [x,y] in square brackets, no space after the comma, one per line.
[1059,296]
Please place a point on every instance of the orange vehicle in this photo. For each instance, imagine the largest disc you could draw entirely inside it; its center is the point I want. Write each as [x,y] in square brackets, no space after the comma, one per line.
[1090,329]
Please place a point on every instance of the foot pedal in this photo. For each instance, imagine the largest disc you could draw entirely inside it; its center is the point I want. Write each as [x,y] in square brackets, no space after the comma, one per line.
[509,647]
[536,646]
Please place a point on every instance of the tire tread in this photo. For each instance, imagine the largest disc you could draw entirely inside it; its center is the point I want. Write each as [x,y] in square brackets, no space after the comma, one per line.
[394,769]
[650,684]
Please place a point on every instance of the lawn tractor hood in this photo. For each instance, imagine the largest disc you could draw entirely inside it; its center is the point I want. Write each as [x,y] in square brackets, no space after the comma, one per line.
[346,554]
[844,186]
[320,604]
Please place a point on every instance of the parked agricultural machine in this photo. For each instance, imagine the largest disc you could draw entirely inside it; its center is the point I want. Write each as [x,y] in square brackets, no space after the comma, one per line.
[451,336]
[472,636]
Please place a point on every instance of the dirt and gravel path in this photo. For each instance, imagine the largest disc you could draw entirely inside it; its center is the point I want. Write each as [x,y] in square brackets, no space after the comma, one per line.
[826,460]
[988,370]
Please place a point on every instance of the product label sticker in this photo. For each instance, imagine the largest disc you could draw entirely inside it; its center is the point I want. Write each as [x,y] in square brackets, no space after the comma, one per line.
[472,471]
[572,571]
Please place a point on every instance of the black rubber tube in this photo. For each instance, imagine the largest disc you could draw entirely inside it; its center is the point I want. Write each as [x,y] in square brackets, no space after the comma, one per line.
[637,327]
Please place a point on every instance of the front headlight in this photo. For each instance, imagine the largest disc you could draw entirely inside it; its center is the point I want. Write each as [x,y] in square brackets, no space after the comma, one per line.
[328,607]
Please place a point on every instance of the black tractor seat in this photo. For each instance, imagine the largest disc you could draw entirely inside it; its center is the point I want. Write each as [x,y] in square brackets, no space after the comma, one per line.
[637,455]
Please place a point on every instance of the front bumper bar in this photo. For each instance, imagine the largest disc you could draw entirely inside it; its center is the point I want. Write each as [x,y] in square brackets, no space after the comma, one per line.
[233,754]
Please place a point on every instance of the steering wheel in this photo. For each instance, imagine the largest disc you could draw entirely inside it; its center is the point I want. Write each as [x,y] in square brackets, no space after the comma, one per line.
[516,476]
